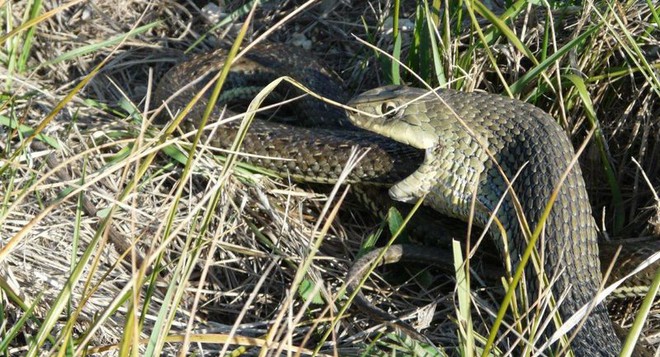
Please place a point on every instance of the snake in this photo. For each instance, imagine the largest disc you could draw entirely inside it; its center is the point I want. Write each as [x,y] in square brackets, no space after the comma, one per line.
[466,155]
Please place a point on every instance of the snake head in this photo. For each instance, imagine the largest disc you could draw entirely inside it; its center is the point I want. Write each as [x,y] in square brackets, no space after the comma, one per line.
[396,112]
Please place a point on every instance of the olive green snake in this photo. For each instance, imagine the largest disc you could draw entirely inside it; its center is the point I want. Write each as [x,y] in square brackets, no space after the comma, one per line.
[467,154]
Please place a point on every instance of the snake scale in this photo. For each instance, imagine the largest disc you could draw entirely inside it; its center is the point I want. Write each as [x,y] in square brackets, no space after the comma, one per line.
[432,155]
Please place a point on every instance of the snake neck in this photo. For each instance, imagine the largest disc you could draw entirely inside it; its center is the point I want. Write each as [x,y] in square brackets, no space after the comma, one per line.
[567,245]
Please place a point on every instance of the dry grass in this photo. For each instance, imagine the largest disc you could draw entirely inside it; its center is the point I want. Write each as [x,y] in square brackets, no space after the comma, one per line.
[64,285]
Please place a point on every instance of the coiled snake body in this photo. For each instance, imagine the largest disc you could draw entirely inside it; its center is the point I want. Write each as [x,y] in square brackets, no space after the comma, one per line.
[461,136]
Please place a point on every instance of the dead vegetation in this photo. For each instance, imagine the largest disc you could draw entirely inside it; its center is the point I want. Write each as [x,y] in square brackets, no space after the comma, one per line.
[225,254]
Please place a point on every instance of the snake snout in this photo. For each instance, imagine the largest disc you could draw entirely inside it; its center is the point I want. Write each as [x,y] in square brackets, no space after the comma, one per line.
[392,118]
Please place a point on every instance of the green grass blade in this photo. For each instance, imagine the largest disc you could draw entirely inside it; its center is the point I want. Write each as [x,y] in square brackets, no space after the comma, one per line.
[519,86]
[601,143]
[641,316]
[466,333]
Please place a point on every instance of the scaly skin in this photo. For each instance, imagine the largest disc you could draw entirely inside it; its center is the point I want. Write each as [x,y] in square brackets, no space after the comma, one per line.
[315,153]
[513,131]
[522,138]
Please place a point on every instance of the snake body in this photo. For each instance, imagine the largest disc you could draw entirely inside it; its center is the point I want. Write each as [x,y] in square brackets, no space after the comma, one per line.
[316,152]
[479,143]
[439,145]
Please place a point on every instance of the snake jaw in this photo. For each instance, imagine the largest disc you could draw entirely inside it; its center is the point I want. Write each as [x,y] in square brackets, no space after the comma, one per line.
[417,184]
[399,130]
[404,133]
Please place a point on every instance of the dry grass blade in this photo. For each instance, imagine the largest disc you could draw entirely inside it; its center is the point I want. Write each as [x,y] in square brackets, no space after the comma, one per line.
[230,251]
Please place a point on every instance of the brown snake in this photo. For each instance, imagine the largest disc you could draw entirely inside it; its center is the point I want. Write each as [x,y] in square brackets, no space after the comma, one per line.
[447,164]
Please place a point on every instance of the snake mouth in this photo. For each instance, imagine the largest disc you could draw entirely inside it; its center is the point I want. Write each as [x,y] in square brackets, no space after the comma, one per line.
[400,131]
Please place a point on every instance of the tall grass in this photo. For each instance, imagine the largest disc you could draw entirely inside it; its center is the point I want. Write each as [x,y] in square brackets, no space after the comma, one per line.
[222,259]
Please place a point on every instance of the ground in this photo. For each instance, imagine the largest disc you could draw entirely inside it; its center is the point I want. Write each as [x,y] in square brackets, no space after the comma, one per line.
[247,259]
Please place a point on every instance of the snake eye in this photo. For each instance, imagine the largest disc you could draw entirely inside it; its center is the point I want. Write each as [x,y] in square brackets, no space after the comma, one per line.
[388,109]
